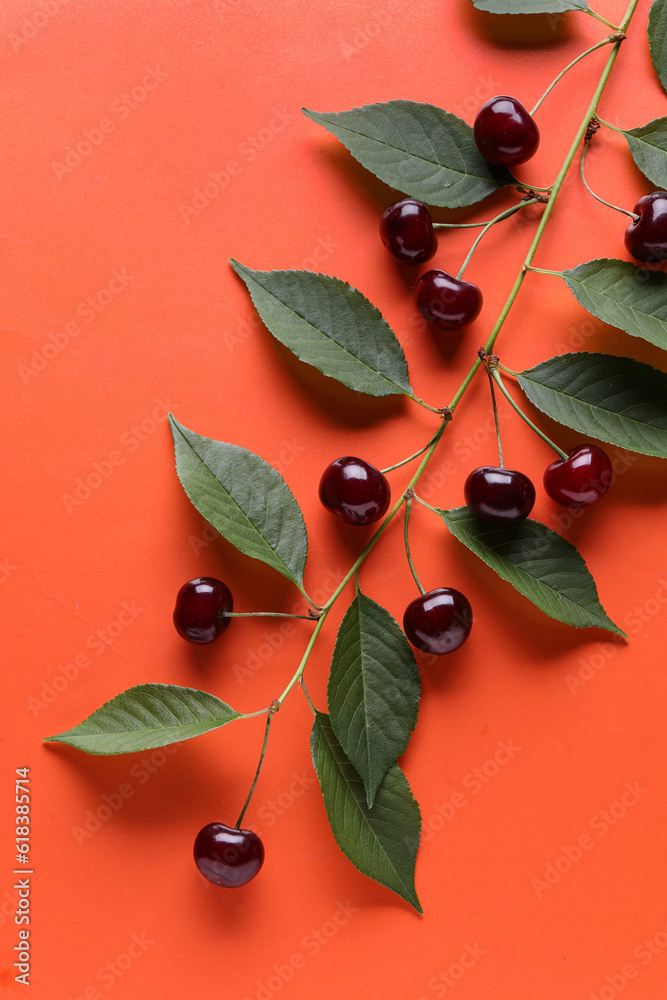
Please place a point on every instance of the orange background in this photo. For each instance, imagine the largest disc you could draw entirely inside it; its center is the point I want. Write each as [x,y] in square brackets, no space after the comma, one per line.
[88,584]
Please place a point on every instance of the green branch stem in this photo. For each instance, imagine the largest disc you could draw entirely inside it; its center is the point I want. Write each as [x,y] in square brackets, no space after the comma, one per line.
[488,347]
[499,382]
[593,48]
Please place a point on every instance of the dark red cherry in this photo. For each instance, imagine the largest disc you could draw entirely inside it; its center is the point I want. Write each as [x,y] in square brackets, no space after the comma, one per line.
[446,301]
[505,133]
[503,496]
[227,856]
[355,491]
[407,231]
[581,479]
[198,606]
[439,621]
[646,239]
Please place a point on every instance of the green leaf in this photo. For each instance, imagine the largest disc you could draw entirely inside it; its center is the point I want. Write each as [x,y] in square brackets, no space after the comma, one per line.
[657,38]
[148,716]
[331,326]
[373,690]
[541,565]
[244,498]
[530,6]
[380,841]
[617,400]
[648,145]
[418,149]
[623,295]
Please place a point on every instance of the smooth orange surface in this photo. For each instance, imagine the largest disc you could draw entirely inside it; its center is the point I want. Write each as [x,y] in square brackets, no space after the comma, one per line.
[118,305]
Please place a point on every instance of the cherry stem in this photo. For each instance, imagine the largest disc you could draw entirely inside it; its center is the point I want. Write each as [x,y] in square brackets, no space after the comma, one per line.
[459,225]
[597,197]
[266,614]
[405,461]
[495,408]
[408,506]
[273,708]
[499,218]
[605,41]
[499,382]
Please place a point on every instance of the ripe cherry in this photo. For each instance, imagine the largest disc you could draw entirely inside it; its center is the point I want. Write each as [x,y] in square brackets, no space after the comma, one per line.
[646,239]
[198,606]
[581,479]
[505,133]
[407,231]
[446,301]
[355,491]
[503,496]
[227,856]
[438,621]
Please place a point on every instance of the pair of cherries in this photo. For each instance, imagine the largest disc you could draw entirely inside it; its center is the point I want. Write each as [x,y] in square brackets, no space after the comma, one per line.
[506,496]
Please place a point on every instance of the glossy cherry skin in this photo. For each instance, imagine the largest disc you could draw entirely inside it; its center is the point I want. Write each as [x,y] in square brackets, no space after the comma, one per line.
[446,301]
[226,856]
[505,133]
[198,606]
[407,231]
[355,491]
[503,496]
[581,479]
[646,239]
[439,621]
